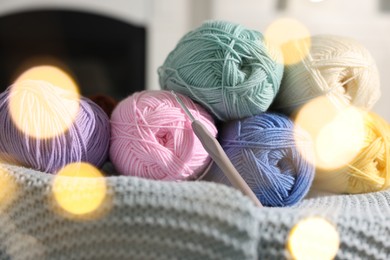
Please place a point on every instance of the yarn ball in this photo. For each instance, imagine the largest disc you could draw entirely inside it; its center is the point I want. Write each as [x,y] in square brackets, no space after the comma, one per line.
[227,68]
[369,171]
[152,137]
[338,67]
[263,149]
[33,107]
[107,103]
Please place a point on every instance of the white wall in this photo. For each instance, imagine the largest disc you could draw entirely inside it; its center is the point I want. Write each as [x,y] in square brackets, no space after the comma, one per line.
[169,21]
[135,11]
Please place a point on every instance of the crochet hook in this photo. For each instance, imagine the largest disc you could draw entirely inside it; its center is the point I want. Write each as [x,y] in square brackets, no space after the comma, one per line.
[212,146]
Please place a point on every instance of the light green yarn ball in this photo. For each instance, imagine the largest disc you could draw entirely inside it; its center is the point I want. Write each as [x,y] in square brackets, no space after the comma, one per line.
[225,67]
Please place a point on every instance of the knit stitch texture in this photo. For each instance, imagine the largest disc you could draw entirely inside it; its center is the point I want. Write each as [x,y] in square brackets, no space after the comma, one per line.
[145,219]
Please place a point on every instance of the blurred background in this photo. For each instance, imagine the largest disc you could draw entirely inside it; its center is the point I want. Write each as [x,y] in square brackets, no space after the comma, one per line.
[115,47]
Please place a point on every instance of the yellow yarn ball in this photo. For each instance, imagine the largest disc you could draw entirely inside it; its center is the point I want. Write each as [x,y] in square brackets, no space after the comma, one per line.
[369,171]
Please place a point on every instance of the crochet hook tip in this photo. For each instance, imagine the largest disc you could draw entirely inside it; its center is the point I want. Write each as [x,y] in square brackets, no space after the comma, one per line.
[183,106]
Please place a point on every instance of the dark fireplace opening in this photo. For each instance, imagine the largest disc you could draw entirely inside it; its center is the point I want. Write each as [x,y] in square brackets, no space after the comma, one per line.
[105,55]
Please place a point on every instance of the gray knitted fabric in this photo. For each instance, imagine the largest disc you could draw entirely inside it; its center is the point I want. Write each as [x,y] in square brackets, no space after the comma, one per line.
[191,220]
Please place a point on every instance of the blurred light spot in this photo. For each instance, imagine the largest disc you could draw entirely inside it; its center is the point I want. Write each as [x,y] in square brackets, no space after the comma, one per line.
[338,133]
[285,33]
[51,74]
[313,238]
[339,142]
[79,189]
[8,188]
[44,102]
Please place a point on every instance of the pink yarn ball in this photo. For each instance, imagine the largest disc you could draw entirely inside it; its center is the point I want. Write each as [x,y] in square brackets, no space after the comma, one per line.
[152,137]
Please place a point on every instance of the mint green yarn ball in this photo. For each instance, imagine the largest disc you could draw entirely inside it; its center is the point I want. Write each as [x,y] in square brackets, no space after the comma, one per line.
[225,67]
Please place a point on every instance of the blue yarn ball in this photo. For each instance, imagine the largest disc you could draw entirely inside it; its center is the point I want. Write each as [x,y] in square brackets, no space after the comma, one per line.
[225,67]
[264,150]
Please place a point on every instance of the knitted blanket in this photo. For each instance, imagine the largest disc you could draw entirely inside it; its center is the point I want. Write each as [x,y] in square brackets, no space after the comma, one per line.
[146,219]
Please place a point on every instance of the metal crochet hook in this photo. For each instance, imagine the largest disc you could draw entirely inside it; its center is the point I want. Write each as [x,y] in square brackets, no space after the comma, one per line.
[212,146]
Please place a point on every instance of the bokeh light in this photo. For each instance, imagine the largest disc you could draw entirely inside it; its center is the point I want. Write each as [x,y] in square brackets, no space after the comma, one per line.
[337,132]
[51,109]
[340,141]
[313,238]
[56,76]
[8,188]
[79,189]
[292,37]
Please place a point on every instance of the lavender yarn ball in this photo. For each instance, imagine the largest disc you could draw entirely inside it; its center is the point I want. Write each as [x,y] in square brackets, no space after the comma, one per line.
[37,107]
